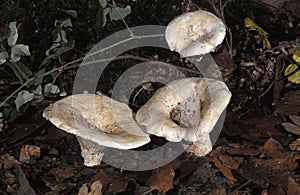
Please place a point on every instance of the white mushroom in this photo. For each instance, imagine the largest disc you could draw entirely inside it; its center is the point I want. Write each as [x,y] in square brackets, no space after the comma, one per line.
[98,119]
[195,33]
[186,109]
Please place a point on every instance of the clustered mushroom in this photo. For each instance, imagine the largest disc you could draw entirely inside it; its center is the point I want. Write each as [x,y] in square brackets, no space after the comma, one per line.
[185,109]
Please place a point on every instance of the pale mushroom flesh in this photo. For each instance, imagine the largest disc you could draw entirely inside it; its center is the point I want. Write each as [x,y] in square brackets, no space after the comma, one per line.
[99,119]
[186,109]
[195,33]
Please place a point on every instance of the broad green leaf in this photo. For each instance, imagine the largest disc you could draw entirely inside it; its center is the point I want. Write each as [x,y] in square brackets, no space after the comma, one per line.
[294,78]
[50,88]
[39,80]
[70,12]
[19,50]
[26,72]
[21,71]
[38,90]
[13,36]
[104,16]
[3,57]
[15,70]
[22,98]
[103,3]
[118,13]
[66,23]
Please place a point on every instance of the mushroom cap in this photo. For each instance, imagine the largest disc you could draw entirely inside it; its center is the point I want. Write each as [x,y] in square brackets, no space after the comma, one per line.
[98,118]
[195,33]
[197,103]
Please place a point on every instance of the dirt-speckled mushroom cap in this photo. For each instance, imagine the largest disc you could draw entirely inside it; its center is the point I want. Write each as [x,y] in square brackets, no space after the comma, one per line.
[98,118]
[195,33]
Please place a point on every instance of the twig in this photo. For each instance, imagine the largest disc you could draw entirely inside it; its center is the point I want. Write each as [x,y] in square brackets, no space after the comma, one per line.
[68,66]
[126,25]
[220,13]
[246,183]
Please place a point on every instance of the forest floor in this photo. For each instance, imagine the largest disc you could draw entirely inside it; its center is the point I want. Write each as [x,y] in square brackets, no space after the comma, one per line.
[257,152]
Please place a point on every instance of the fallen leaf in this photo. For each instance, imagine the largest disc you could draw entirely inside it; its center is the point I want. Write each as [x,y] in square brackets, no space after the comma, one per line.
[295,119]
[96,188]
[226,171]
[272,148]
[220,191]
[293,187]
[291,128]
[8,161]
[29,151]
[295,145]
[162,179]
[242,150]
[62,174]
[23,186]
[111,181]
[229,162]
[290,103]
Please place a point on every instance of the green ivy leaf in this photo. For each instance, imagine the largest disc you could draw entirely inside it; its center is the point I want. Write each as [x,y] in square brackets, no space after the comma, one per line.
[39,80]
[103,3]
[50,88]
[13,36]
[3,57]
[22,98]
[118,13]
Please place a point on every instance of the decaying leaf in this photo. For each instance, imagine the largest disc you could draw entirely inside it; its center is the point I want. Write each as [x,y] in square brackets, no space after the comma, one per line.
[162,178]
[272,148]
[62,174]
[23,186]
[295,119]
[226,171]
[290,103]
[293,187]
[29,151]
[96,188]
[229,162]
[111,181]
[290,127]
[295,145]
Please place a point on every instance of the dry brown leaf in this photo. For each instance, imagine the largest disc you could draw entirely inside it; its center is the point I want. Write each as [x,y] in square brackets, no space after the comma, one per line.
[272,148]
[216,152]
[290,104]
[61,174]
[293,187]
[229,162]
[236,149]
[291,128]
[162,179]
[112,182]
[96,188]
[28,151]
[220,191]
[8,161]
[295,119]
[226,171]
[295,145]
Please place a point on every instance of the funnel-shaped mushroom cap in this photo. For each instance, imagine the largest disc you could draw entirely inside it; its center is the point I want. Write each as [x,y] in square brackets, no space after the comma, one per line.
[185,109]
[195,33]
[98,118]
